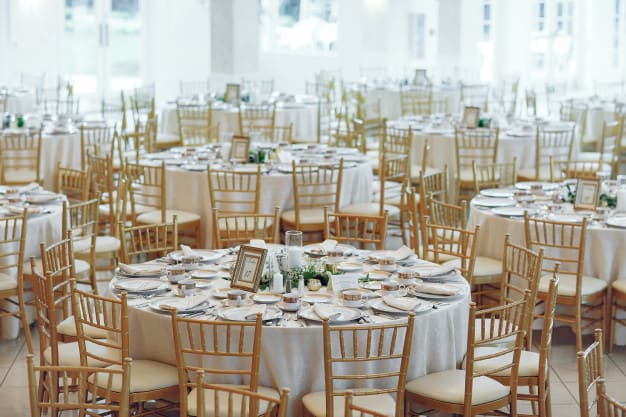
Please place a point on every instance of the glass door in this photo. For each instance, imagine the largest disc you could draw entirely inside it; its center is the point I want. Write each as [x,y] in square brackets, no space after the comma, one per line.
[102,45]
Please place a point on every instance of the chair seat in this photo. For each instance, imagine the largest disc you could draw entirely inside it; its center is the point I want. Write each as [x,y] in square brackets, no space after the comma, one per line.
[506,341]
[619,285]
[154,217]
[209,401]
[20,176]
[67,327]
[466,175]
[7,282]
[528,363]
[370,209]
[69,354]
[484,267]
[80,267]
[315,403]
[146,375]
[103,244]
[567,285]
[443,257]
[307,216]
[449,386]
[530,174]
[415,172]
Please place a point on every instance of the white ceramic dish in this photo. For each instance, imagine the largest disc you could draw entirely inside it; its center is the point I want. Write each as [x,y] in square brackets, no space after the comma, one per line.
[140,285]
[245,313]
[205,255]
[493,202]
[380,305]
[346,314]
[513,211]
[497,192]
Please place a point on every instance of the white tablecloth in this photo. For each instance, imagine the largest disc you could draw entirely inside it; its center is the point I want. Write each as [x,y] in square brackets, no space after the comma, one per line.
[64,148]
[189,191]
[293,356]
[391,107]
[605,247]
[21,102]
[303,117]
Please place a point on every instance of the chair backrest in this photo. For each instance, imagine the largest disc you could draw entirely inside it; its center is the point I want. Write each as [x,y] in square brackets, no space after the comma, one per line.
[146,187]
[479,145]
[586,169]
[147,241]
[494,175]
[563,243]
[590,371]
[434,184]
[190,89]
[74,183]
[12,243]
[230,230]
[552,144]
[356,229]
[96,140]
[393,172]
[396,140]
[76,393]
[452,241]
[282,134]
[475,95]
[385,348]
[227,352]
[82,219]
[349,138]
[611,142]
[194,123]
[110,316]
[256,115]
[447,214]
[102,182]
[545,345]
[20,158]
[316,186]
[235,191]
[510,319]
[608,406]
[416,101]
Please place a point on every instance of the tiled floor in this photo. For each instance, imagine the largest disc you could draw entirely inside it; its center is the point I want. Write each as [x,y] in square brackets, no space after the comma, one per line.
[14,394]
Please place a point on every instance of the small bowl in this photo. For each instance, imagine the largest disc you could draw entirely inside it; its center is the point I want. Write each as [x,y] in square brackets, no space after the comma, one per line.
[187,287]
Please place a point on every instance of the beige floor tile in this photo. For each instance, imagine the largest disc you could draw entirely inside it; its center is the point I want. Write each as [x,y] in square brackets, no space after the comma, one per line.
[17,376]
[565,410]
[568,372]
[560,394]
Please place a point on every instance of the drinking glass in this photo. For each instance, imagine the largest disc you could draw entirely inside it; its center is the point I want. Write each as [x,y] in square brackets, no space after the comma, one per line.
[293,238]
[293,242]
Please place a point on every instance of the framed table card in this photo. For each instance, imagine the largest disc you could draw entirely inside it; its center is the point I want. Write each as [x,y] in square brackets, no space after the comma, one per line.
[343,282]
[586,195]
[471,116]
[240,148]
[249,268]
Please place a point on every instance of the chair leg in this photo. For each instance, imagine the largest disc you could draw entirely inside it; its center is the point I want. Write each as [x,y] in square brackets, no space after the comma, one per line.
[578,328]
[25,325]
[613,318]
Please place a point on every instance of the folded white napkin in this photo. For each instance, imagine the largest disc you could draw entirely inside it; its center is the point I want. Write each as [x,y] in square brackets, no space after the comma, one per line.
[401,303]
[402,253]
[187,251]
[325,311]
[134,285]
[14,209]
[425,271]
[284,157]
[255,309]
[43,197]
[258,243]
[328,245]
[182,304]
[140,269]
[434,288]
[30,187]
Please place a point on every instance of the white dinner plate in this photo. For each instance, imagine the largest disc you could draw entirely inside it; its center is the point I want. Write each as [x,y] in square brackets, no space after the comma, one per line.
[194,167]
[371,285]
[41,197]
[378,275]
[497,192]
[246,313]
[143,270]
[493,202]
[140,285]
[313,298]
[619,221]
[527,185]
[513,211]
[221,293]
[380,305]
[204,254]
[566,218]
[348,266]
[429,296]
[205,273]
[345,314]
[266,298]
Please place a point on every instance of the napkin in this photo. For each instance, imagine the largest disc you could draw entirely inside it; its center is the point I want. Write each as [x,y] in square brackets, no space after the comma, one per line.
[328,245]
[426,271]
[401,253]
[185,304]
[284,157]
[134,285]
[401,303]
[140,269]
[13,209]
[433,288]
[325,311]
[255,309]
[42,197]
[258,243]
[30,187]
[187,251]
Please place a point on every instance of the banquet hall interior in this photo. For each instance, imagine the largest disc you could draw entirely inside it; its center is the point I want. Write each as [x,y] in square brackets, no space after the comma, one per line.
[313,207]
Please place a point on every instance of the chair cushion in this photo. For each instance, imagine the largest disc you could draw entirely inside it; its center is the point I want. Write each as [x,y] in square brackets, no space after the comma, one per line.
[7,282]
[449,386]
[68,327]
[443,257]
[466,175]
[370,209]
[209,400]
[162,138]
[145,375]
[154,217]
[80,267]
[619,285]
[567,285]
[483,267]
[315,403]
[307,216]
[530,173]
[103,244]
[69,354]
[528,362]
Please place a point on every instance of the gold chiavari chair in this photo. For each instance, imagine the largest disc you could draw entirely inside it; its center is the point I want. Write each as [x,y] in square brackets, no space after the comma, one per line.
[570,111]
[494,175]
[444,214]
[385,365]
[479,145]
[590,372]
[531,103]
[314,187]
[263,88]
[4,102]
[232,94]
[191,89]
[356,229]
[149,380]
[148,189]
[415,101]
[354,409]
[282,134]
[261,117]
[147,242]
[74,183]
[20,156]
[471,391]
[434,184]
[142,101]
[444,243]
[82,219]
[235,191]
[607,405]
[231,230]
[351,138]
[564,243]
[12,243]
[617,304]
[219,349]
[113,109]
[579,169]
[609,147]
[95,140]
[194,124]
[76,393]
[475,95]
[550,144]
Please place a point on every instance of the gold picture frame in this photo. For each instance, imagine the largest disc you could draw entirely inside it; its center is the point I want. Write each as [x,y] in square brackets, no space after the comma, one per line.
[471,116]
[240,148]
[248,268]
[587,195]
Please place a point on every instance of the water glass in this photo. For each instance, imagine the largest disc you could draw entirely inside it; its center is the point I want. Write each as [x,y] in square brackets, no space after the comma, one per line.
[293,238]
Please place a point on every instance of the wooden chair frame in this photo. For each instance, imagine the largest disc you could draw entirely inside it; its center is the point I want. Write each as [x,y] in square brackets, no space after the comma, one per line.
[234,229]
[235,192]
[74,183]
[257,115]
[473,145]
[356,228]
[494,175]
[18,152]
[607,405]
[590,372]
[82,220]
[147,241]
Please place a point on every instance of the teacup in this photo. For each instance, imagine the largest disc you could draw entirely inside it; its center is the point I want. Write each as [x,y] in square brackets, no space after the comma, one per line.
[389,287]
[235,298]
[187,287]
[291,301]
[190,261]
[175,273]
[406,277]
[352,298]
[335,255]
[387,263]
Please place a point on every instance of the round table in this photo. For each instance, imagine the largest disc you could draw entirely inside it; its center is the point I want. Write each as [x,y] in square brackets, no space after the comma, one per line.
[605,247]
[391,107]
[292,356]
[302,115]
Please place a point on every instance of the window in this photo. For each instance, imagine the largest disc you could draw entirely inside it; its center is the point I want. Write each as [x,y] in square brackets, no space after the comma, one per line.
[487,19]
[298,25]
[617,28]
[540,17]
[417,35]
